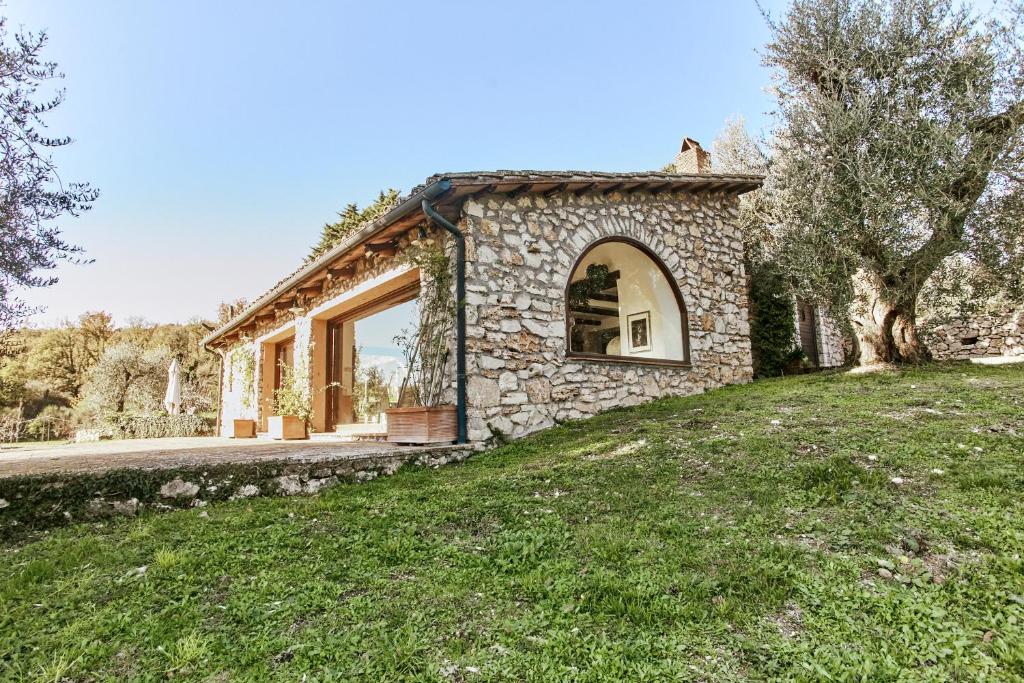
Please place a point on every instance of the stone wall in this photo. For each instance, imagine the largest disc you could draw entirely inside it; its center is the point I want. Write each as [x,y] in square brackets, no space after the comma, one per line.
[977,337]
[520,255]
[828,335]
[831,345]
[36,502]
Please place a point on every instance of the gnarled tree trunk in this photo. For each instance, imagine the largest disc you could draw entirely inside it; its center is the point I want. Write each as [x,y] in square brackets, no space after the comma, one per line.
[886,327]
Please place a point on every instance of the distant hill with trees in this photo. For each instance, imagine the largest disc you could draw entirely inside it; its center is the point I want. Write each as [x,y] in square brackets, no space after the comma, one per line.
[87,372]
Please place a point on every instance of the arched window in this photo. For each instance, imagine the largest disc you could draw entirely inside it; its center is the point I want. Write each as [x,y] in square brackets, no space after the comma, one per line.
[622,304]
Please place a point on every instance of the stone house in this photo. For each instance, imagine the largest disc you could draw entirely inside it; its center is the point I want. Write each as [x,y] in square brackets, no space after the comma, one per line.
[584,291]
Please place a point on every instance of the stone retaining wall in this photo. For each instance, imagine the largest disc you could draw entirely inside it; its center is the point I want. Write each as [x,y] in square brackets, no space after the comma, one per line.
[32,503]
[977,337]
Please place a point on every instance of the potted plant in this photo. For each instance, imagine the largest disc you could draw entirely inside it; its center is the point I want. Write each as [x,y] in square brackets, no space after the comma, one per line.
[421,417]
[292,408]
[242,365]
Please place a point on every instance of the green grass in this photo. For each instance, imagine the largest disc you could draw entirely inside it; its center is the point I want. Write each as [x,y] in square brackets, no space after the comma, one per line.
[750,533]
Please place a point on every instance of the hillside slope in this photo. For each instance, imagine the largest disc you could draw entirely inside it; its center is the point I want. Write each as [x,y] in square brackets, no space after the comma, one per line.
[859,527]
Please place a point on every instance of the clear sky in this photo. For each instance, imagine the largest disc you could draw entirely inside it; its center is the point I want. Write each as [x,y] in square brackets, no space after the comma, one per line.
[222,135]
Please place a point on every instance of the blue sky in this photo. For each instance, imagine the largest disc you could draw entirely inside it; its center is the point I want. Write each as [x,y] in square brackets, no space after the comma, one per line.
[224,134]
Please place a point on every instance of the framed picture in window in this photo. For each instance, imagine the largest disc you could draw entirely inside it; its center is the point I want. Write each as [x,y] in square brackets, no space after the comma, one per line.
[639,326]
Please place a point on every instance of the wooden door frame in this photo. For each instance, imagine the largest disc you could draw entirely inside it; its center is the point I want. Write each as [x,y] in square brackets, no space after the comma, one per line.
[403,294]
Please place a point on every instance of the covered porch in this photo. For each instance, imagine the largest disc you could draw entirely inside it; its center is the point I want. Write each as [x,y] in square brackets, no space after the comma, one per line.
[347,346]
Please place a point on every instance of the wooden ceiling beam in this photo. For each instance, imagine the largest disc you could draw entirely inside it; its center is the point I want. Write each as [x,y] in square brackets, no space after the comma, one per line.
[596,311]
[386,249]
[519,190]
[557,189]
[585,189]
[486,189]
[341,271]
[613,188]
[285,304]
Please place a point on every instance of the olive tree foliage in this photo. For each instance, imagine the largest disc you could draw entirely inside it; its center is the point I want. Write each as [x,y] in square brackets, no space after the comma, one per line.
[32,196]
[772,325]
[128,377]
[898,149]
[734,150]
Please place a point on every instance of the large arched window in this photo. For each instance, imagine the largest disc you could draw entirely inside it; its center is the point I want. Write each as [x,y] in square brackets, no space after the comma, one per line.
[622,304]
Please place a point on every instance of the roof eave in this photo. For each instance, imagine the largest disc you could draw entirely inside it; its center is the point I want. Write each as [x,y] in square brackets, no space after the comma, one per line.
[406,207]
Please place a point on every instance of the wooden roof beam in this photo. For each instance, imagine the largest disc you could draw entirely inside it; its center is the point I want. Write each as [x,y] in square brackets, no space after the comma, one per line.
[285,304]
[486,189]
[579,192]
[613,188]
[341,271]
[560,187]
[311,289]
[386,249]
[519,190]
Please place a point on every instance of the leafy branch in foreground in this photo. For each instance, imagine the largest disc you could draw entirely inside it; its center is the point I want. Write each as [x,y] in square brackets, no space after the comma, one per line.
[32,195]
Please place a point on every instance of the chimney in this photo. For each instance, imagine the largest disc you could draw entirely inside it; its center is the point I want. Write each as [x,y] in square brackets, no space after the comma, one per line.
[692,158]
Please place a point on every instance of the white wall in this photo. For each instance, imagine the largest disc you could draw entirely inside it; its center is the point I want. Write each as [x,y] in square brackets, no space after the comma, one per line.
[642,287]
[236,403]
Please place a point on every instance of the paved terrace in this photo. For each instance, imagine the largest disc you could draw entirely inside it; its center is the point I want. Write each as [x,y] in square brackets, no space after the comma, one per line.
[168,453]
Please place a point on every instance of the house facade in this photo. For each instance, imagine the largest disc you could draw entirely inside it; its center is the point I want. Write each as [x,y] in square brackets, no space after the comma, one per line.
[583,292]
[818,335]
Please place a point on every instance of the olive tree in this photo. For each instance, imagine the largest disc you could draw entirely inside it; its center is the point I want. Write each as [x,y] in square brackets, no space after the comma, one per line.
[898,148]
[128,378]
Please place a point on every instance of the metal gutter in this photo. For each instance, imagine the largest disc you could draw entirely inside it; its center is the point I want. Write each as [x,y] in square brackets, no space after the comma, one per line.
[406,207]
[460,316]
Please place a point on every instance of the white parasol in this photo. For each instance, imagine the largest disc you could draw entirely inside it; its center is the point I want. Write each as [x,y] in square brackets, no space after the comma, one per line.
[172,399]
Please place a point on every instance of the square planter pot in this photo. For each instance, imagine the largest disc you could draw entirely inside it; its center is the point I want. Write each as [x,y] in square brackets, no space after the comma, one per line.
[286,427]
[422,425]
[243,429]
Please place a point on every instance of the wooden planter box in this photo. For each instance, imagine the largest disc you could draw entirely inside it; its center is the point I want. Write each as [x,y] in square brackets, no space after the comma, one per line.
[422,425]
[286,427]
[243,429]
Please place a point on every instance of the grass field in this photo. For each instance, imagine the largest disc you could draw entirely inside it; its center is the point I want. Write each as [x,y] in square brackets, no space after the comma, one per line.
[823,527]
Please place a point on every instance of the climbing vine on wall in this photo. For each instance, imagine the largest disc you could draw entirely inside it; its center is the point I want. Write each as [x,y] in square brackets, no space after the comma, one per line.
[243,361]
[293,397]
[426,346]
[772,329]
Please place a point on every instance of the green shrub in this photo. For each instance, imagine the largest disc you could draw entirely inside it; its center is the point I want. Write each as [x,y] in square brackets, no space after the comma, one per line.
[772,329]
[53,422]
[127,426]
